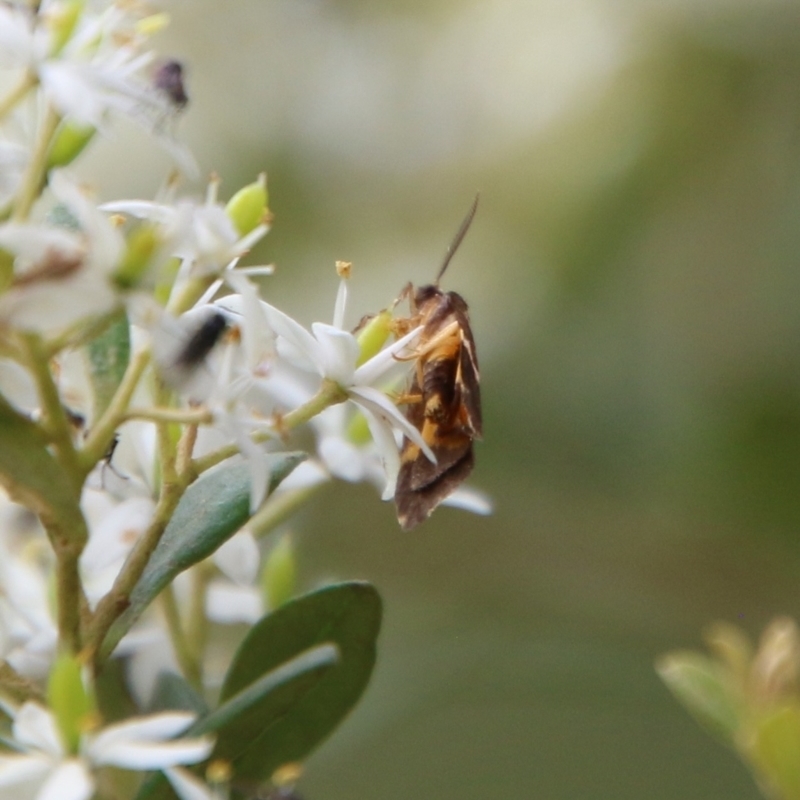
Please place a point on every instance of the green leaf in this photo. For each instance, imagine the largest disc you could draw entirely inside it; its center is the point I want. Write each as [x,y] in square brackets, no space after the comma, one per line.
[213,508]
[705,689]
[32,476]
[776,750]
[347,615]
[245,714]
[109,354]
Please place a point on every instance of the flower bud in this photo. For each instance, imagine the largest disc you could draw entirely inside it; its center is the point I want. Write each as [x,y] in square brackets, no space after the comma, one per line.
[68,699]
[373,335]
[247,209]
[141,246]
[280,573]
[62,19]
[774,749]
[68,143]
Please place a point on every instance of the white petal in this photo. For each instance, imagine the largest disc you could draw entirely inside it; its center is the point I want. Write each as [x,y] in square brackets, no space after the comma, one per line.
[305,476]
[379,404]
[342,458]
[70,781]
[341,304]
[383,436]
[142,209]
[152,728]
[16,38]
[155,755]
[380,366]
[469,499]
[186,785]
[295,334]
[227,603]
[34,727]
[239,558]
[339,352]
[16,769]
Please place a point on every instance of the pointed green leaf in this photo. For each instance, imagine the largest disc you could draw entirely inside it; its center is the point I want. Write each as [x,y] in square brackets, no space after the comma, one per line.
[705,689]
[347,615]
[213,508]
[244,715]
[109,354]
[32,476]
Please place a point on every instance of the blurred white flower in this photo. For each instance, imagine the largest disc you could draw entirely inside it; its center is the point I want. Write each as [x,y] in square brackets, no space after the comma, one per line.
[101,68]
[60,275]
[44,770]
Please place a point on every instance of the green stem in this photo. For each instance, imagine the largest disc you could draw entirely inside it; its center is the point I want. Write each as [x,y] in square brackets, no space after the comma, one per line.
[37,168]
[117,599]
[54,417]
[329,394]
[99,440]
[190,667]
[7,104]
[196,620]
[201,416]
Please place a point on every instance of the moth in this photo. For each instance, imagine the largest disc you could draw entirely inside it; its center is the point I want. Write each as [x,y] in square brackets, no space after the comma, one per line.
[444,399]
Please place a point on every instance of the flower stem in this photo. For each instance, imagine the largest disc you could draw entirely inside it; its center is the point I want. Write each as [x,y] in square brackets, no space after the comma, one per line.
[54,416]
[32,182]
[329,394]
[102,433]
[189,665]
[26,83]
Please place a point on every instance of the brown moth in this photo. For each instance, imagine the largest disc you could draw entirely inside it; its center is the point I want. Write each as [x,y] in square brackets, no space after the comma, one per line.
[444,399]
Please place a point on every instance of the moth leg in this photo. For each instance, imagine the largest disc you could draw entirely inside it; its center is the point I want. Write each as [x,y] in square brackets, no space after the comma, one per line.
[407,398]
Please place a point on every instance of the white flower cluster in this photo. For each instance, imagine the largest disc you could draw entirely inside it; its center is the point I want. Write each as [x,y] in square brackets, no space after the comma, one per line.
[203,355]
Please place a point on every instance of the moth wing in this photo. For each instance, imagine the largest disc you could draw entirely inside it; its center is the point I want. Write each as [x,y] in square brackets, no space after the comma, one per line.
[468,385]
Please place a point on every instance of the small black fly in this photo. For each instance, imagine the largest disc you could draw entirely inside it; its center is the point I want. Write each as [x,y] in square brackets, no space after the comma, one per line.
[201,342]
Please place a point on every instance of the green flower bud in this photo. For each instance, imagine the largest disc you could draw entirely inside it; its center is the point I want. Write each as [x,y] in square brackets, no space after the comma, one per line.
[358,430]
[68,143]
[279,576]
[373,335]
[247,209]
[141,245]
[68,699]
[62,21]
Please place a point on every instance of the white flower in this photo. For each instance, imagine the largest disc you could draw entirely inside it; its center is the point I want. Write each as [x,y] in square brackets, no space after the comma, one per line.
[202,235]
[42,769]
[28,633]
[101,68]
[333,354]
[61,276]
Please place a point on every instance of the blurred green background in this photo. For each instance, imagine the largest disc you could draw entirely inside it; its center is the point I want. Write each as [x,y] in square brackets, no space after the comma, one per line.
[634,282]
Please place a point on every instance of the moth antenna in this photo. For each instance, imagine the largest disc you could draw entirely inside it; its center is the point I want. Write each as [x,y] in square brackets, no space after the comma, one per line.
[459,237]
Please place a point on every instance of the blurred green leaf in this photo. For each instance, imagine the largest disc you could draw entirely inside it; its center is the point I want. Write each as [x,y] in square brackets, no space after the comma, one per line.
[109,354]
[243,717]
[209,513]
[776,750]
[31,475]
[348,615]
[704,688]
